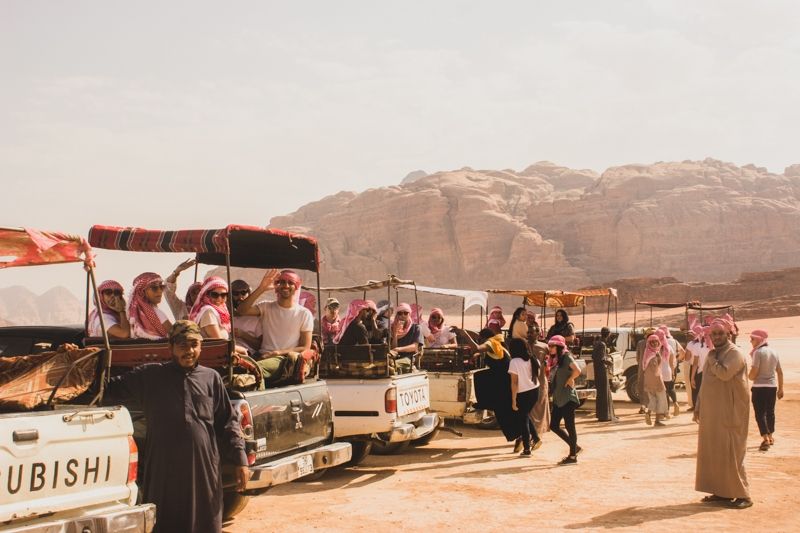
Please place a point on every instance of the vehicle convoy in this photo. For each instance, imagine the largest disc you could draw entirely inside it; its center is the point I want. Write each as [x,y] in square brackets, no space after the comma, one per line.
[375,407]
[66,464]
[288,426]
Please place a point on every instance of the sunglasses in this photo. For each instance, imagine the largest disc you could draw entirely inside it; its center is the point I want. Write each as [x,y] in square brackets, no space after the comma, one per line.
[284,282]
[156,287]
[240,293]
[109,292]
[215,294]
[401,313]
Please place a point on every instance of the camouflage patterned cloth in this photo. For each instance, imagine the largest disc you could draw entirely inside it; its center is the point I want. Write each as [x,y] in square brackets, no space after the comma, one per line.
[183,330]
[27,381]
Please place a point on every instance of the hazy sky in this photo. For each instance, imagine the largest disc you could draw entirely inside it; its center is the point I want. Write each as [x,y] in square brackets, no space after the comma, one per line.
[198,114]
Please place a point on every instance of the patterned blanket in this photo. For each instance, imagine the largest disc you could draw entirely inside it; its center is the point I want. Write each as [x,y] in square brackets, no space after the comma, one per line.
[27,381]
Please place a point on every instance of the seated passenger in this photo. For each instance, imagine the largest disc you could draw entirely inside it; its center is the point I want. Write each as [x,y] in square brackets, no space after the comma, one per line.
[495,321]
[147,320]
[406,338]
[180,308]
[438,334]
[246,328]
[210,311]
[286,326]
[331,323]
[112,305]
[358,326]
[384,314]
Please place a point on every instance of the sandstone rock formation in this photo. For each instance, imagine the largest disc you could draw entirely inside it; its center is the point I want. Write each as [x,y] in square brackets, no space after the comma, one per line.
[554,227]
[21,307]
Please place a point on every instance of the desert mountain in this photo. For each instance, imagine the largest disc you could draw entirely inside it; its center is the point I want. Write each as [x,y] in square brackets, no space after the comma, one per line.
[549,226]
[21,307]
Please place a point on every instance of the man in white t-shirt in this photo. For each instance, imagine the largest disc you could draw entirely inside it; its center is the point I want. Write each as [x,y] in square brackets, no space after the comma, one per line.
[286,326]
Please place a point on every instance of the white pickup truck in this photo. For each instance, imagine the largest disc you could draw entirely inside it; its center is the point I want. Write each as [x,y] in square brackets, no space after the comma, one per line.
[71,468]
[373,408]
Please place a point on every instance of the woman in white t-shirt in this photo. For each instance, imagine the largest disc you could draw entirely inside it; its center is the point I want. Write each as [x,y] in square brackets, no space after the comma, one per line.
[210,310]
[438,334]
[524,372]
[112,305]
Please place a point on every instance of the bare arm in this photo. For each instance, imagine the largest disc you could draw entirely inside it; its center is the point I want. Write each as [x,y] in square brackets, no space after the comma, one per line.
[779,371]
[122,330]
[212,331]
[514,389]
[572,377]
[247,307]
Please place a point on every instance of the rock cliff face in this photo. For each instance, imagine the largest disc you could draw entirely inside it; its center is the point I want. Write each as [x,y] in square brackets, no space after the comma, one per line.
[554,227]
[21,307]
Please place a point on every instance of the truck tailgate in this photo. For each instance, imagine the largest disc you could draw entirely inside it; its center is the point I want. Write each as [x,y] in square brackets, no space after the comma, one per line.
[413,393]
[70,458]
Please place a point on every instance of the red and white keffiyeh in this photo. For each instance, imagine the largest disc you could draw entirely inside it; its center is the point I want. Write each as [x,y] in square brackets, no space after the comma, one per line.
[103,306]
[141,313]
[353,309]
[204,301]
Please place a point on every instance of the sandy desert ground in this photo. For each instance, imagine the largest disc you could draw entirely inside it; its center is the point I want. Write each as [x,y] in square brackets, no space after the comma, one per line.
[629,476]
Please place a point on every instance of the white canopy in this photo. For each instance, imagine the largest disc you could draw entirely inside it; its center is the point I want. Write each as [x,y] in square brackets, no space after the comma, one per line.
[471,298]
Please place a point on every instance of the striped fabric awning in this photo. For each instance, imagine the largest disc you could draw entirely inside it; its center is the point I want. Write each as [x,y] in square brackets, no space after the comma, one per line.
[27,247]
[244,246]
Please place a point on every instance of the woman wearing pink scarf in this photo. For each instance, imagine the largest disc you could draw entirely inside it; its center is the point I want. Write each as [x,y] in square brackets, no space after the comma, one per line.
[405,338]
[656,351]
[147,320]
[439,334]
[112,305]
[495,321]
[210,310]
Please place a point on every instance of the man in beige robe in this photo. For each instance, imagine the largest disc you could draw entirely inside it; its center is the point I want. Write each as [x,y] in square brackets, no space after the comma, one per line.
[723,411]
[540,414]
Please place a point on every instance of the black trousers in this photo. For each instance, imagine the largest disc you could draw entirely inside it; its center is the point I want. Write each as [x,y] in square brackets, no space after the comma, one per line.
[670,385]
[525,402]
[698,380]
[567,413]
[764,407]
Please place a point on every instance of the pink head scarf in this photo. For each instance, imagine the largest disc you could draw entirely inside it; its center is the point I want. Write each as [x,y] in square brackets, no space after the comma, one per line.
[355,307]
[108,284]
[203,300]
[650,353]
[495,321]
[141,313]
[309,301]
[557,340]
[434,326]
[290,276]
[409,322]
[761,335]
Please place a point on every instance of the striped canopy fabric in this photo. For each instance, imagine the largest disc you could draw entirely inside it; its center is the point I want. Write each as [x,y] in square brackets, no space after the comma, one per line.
[243,246]
[557,299]
[28,247]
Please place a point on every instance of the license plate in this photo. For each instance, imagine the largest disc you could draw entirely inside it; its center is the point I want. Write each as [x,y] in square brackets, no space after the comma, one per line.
[412,400]
[305,465]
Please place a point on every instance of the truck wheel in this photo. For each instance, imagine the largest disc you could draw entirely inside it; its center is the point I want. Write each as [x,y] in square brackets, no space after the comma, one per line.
[631,382]
[233,503]
[389,448]
[422,441]
[361,449]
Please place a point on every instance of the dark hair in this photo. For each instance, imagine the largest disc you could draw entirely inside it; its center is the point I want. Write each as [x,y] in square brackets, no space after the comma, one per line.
[518,348]
[605,332]
[563,313]
[518,311]
[485,334]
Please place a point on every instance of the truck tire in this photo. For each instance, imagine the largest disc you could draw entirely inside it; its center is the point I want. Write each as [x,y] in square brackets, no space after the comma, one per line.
[361,449]
[422,441]
[389,448]
[631,382]
[233,503]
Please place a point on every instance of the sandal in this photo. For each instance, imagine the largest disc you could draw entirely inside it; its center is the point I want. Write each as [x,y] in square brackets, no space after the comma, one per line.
[740,503]
[714,498]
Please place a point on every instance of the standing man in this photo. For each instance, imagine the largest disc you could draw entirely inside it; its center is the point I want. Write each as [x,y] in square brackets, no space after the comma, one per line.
[286,326]
[604,403]
[724,411]
[188,416]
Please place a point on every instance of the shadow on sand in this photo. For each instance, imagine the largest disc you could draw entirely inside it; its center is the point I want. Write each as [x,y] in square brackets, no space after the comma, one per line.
[636,516]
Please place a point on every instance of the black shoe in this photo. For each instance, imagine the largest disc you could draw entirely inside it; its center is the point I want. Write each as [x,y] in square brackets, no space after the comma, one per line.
[525,453]
[741,503]
[578,450]
[569,460]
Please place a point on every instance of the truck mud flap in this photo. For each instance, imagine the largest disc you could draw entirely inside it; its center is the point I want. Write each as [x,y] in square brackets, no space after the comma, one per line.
[297,466]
